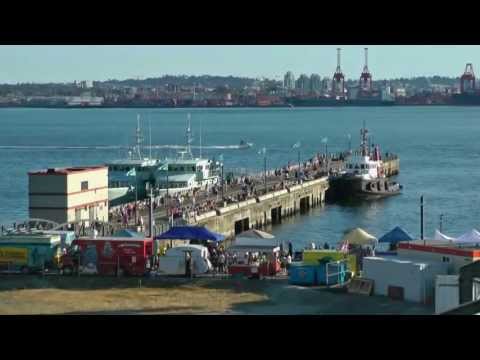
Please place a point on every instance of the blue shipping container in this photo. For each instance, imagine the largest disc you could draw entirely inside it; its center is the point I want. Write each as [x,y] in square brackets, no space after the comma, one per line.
[302,275]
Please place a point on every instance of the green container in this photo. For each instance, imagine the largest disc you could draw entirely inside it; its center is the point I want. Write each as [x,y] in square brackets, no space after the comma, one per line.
[30,251]
[315,257]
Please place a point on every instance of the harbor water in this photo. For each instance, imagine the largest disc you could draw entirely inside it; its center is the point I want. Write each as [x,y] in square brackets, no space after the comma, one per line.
[438,148]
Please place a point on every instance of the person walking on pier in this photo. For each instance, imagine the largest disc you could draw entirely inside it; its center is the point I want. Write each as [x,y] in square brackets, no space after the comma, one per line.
[221,262]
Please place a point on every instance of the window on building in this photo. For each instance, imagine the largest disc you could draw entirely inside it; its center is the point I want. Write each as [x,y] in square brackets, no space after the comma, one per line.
[84,185]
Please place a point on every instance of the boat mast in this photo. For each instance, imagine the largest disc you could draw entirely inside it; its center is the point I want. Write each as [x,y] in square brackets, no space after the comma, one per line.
[364,144]
[189,137]
[150,130]
[200,138]
[138,138]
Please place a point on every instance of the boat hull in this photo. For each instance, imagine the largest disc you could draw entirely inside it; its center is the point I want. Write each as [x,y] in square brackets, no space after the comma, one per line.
[119,196]
[346,187]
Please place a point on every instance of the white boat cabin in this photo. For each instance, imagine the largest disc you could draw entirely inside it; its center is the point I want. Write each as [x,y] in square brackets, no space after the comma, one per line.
[363,166]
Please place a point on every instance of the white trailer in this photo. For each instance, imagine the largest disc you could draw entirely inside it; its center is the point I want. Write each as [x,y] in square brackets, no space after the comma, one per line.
[447,293]
[412,280]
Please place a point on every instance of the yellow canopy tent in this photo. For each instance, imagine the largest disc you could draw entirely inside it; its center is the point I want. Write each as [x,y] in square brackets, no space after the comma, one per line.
[359,236]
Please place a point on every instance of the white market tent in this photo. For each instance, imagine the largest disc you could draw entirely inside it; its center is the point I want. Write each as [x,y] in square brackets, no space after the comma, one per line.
[473,236]
[359,236]
[255,238]
[442,237]
[254,241]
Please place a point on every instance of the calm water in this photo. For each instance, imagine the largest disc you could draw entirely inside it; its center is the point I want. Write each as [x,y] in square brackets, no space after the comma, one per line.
[438,146]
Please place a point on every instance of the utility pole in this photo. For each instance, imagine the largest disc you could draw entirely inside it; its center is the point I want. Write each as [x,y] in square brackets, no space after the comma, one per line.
[441,223]
[421,220]
[150,212]
[136,197]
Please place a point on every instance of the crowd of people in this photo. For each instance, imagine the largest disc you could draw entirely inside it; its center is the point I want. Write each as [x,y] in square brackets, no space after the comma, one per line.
[189,204]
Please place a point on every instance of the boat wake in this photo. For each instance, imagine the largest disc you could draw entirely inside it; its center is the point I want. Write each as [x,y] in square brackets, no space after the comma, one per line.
[113,147]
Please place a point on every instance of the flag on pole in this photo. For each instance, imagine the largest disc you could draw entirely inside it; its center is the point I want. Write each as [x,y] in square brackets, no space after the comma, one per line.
[132,172]
[325,140]
[296,145]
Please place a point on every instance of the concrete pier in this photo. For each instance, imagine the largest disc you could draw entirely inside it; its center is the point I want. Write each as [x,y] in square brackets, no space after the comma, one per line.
[264,210]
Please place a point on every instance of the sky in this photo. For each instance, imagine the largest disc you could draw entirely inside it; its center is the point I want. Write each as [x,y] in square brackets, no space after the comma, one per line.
[60,63]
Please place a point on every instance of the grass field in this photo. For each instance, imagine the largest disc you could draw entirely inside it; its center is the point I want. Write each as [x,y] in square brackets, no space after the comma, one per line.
[97,295]
[104,295]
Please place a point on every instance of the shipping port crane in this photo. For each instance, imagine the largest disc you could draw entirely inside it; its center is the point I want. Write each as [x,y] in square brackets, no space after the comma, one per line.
[338,85]
[366,76]
[467,80]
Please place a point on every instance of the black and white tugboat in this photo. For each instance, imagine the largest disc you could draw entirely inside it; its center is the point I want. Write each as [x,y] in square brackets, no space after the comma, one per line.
[364,175]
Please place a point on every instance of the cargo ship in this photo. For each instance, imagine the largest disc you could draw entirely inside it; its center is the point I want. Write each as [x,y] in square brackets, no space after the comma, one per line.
[364,175]
[375,100]
[466,99]
[316,101]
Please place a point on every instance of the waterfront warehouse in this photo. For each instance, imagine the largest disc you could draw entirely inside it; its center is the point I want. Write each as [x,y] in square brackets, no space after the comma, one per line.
[67,195]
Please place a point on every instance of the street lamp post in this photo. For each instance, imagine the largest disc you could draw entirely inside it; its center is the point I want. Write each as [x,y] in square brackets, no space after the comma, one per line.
[136,198]
[223,184]
[167,181]
[297,146]
[263,151]
[265,171]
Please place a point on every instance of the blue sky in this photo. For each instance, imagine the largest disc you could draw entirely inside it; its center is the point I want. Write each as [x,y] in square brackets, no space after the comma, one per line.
[67,63]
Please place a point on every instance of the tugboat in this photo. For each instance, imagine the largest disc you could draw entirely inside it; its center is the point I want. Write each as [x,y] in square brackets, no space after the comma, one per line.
[364,175]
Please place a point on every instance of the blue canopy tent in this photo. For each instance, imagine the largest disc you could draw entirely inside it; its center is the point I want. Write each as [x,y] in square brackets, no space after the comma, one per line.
[394,236]
[198,233]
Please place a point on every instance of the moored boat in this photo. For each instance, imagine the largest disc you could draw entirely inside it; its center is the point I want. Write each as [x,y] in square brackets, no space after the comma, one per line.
[364,175]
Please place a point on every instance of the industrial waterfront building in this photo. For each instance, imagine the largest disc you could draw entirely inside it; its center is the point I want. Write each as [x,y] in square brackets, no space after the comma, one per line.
[69,195]
[455,255]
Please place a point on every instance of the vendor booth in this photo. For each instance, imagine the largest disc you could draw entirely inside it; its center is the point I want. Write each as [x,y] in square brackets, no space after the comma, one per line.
[199,237]
[256,244]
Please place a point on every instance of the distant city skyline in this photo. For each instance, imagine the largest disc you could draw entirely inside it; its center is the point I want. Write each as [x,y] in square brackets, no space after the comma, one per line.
[59,63]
